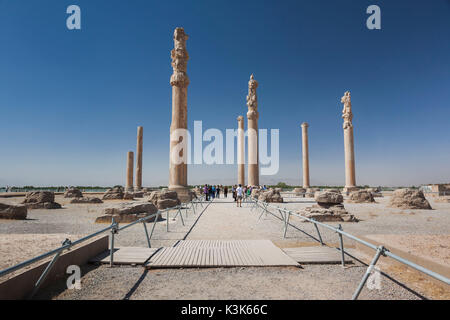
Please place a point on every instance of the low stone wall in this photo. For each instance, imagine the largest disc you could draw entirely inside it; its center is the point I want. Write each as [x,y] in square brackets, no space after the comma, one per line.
[21,285]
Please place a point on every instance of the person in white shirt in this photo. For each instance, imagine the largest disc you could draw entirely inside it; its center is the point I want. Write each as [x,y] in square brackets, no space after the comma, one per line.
[239,194]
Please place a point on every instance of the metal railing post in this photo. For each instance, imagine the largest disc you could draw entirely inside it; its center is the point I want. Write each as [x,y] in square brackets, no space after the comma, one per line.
[318,232]
[341,244]
[154,223]
[379,252]
[167,221]
[181,214]
[114,230]
[48,268]
[146,234]
[287,224]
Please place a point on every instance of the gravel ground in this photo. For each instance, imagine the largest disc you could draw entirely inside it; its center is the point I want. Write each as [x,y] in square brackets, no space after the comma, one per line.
[309,282]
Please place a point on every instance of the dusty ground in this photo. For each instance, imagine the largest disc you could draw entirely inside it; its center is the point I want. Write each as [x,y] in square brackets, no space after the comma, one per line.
[225,221]
[436,247]
[310,282]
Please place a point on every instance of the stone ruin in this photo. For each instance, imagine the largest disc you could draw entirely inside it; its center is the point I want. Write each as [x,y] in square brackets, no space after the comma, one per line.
[73,193]
[86,200]
[409,199]
[164,199]
[361,196]
[329,208]
[255,193]
[114,194]
[127,212]
[41,200]
[376,192]
[78,197]
[118,193]
[299,192]
[16,212]
[271,195]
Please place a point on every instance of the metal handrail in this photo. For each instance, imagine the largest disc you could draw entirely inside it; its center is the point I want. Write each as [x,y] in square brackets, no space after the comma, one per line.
[67,244]
[380,250]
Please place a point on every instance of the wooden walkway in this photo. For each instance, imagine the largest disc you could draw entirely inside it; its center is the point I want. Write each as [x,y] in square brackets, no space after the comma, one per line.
[221,253]
[316,255]
[126,255]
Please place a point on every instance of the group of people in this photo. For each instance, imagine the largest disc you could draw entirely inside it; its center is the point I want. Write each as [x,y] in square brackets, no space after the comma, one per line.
[212,192]
[238,192]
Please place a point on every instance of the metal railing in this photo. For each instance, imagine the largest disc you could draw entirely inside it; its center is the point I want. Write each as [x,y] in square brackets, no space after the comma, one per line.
[379,250]
[113,229]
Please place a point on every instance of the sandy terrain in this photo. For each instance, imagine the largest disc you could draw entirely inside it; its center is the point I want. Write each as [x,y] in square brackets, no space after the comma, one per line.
[436,247]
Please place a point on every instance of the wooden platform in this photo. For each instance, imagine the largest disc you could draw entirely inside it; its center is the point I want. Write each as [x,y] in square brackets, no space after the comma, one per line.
[316,255]
[221,253]
[126,255]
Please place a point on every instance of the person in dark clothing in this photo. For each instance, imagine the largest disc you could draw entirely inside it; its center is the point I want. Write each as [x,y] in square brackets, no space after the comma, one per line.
[218,192]
[225,192]
[206,192]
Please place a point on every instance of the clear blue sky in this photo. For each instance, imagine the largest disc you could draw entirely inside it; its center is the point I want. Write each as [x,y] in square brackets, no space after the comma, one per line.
[70,101]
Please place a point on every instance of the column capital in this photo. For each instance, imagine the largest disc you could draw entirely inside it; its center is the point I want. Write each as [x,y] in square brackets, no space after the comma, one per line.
[347,114]
[304,125]
[180,58]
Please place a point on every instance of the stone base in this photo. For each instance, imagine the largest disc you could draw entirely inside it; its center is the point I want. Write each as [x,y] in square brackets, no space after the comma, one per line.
[184,193]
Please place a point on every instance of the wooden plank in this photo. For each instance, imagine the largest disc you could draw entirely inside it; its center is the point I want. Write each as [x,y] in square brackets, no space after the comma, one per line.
[221,253]
[316,255]
[126,255]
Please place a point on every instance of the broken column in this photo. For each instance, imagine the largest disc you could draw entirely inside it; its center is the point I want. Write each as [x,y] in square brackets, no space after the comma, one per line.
[241,151]
[138,184]
[305,155]
[347,115]
[178,128]
[129,185]
[252,117]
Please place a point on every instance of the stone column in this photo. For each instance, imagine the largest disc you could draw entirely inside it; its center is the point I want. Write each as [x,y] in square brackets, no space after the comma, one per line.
[130,164]
[138,184]
[347,115]
[178,128]
[252,117]
[305,155]
[241,151]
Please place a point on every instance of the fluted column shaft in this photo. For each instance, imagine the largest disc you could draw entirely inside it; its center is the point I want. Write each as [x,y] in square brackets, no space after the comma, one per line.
[241,151]
[305,155]
[139,149]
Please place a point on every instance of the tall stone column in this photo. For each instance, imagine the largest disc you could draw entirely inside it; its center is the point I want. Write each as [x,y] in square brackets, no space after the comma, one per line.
[130,164]
[178,128]
[138,184]
[252,117]
[305,155]
[347,115]
[241,151]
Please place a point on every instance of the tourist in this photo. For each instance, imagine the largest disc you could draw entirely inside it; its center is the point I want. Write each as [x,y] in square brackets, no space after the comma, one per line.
[218,192]
[206,192]
[225,192]
[233,191]
[239,194]
[213,191]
